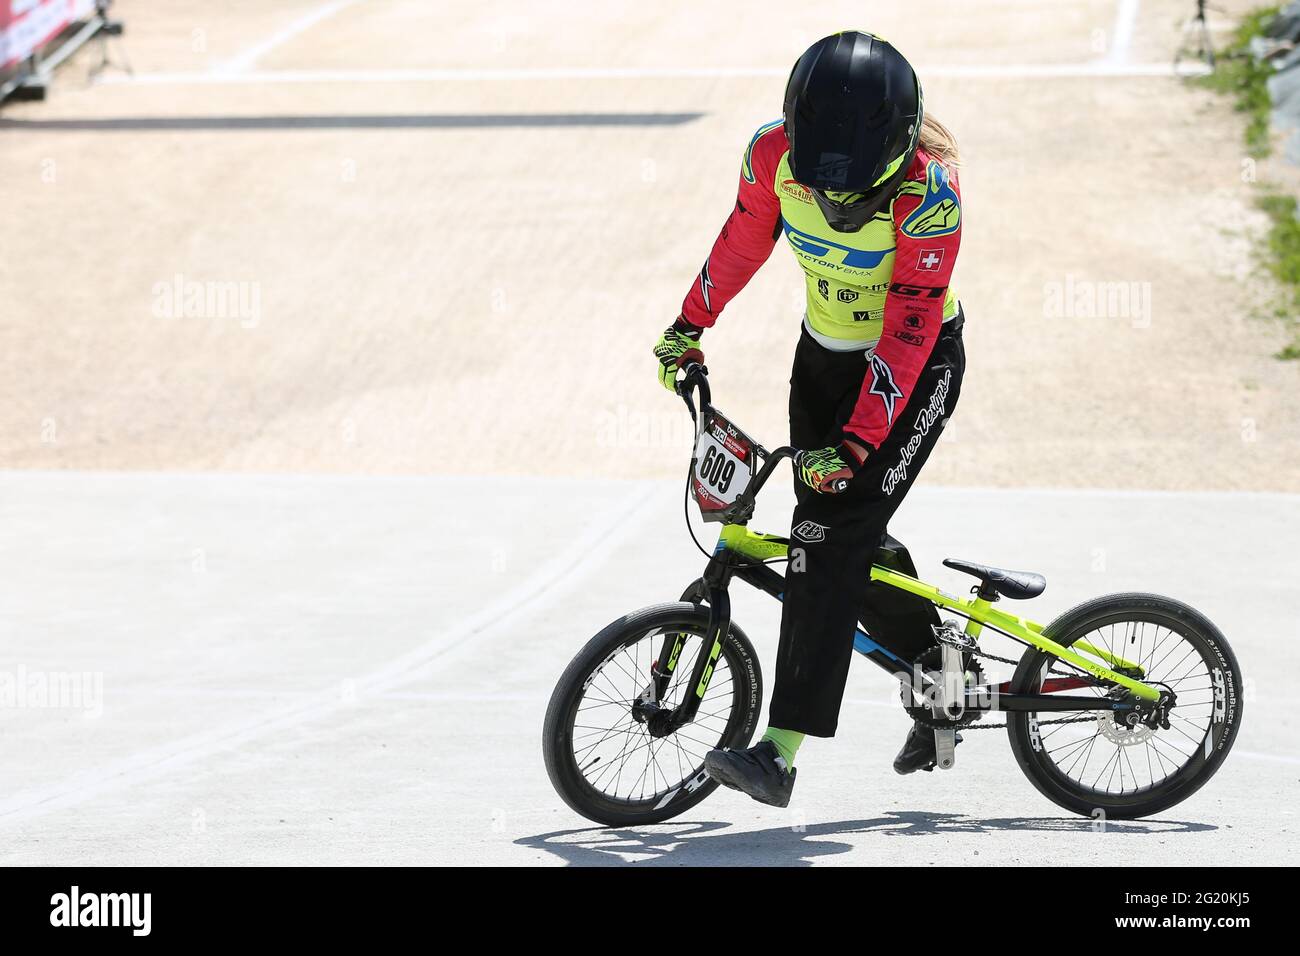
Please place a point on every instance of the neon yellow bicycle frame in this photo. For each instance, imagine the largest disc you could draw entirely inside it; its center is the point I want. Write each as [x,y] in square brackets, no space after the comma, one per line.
[979,613]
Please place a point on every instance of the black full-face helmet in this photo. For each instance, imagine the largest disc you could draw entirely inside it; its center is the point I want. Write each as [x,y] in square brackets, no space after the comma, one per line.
[852,116]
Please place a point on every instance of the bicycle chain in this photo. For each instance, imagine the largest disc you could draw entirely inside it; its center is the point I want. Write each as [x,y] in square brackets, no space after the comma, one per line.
[969,723]
[922,714]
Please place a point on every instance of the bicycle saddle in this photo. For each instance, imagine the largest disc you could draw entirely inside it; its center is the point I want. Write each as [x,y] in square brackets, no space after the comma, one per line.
[1017,585]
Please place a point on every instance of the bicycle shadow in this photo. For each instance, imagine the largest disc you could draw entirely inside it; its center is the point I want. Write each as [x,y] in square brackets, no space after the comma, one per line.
[701,844]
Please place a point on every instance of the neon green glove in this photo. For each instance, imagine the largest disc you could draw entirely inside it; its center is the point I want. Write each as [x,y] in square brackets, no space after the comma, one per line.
[679,344]
[829,470]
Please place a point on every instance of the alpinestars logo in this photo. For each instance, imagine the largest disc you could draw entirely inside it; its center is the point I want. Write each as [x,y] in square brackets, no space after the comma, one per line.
[810,531]
[882,384]
[705,285]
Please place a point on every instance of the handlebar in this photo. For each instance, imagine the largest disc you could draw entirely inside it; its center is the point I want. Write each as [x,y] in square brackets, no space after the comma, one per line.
[743,506]
[696,378]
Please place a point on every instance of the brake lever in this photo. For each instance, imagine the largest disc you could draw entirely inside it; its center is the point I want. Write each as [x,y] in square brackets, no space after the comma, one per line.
[687,385]
[690,368]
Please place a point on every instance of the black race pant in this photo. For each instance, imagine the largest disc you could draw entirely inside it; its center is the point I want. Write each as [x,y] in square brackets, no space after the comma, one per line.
[833,537]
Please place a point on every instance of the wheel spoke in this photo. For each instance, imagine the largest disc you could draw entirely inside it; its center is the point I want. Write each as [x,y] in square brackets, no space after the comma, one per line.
[613,747]
[1101,756]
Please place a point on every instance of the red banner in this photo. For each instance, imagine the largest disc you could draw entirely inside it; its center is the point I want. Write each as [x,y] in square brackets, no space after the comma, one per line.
[27,25]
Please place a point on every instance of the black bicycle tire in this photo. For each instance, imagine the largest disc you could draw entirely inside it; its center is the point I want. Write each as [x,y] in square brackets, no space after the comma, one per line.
[1198,771]
[557,750]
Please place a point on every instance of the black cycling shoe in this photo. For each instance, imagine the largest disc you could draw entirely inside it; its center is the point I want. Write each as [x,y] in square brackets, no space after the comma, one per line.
[759,772]
[918,750]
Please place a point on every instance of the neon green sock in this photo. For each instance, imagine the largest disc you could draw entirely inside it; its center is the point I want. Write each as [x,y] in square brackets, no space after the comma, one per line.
[786,743]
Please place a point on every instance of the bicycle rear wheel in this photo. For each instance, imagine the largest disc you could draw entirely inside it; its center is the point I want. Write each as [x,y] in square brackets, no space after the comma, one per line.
[603,761]
[1097,767]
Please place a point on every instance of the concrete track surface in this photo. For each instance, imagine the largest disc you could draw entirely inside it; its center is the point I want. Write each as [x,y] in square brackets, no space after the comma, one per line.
[310,561]
[332,670]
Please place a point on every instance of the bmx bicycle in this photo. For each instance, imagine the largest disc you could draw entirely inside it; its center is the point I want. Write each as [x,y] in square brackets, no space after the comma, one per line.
[1124,705]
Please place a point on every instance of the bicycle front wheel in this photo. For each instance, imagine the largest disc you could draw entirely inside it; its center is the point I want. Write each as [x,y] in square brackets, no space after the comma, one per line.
[605,759]
[1087,762]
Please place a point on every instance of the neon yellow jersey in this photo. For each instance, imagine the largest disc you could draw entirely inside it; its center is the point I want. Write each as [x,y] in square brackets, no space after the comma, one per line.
[886,287]
[847,274]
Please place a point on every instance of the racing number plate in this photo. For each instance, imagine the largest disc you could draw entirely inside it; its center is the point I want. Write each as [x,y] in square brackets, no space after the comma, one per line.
[724,465]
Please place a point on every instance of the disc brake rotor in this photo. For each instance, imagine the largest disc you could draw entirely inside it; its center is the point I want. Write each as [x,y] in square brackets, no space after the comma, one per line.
[1123,735]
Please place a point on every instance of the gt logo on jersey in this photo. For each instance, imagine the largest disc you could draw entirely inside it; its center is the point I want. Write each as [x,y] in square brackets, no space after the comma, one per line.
[918,291]
[940,211]
[832,253]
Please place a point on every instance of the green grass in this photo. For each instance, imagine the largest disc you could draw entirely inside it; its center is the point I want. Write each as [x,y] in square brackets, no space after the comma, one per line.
[1283,261]
[1239,76]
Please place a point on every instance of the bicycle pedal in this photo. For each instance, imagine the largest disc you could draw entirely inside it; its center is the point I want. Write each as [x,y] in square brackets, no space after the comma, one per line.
[945,749]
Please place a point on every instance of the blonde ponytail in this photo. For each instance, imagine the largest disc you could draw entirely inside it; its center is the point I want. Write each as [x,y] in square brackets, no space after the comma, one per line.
[938,141]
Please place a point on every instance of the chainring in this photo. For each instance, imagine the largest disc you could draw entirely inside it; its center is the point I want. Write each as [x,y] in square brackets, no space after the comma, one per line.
[930,662]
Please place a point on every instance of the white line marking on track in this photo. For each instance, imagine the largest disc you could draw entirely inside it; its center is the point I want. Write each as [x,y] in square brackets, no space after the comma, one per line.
[1121,36]
[248,57]
[603,535]
[1095,68]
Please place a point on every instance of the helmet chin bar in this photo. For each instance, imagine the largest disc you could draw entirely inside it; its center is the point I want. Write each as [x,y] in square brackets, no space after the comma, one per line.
[851,217]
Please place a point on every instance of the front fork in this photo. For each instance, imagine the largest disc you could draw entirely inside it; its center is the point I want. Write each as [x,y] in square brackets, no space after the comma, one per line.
[670,652]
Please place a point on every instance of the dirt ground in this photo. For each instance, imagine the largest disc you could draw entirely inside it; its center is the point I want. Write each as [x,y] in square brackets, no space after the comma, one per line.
[419,294]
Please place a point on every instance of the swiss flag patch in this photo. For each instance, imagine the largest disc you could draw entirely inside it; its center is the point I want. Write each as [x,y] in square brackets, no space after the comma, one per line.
[929,260]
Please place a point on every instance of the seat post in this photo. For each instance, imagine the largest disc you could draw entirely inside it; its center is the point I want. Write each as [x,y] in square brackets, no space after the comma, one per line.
[982,600]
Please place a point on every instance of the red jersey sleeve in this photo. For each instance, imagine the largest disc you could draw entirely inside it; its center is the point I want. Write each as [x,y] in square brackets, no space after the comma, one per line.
[747,236]
[927,225]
